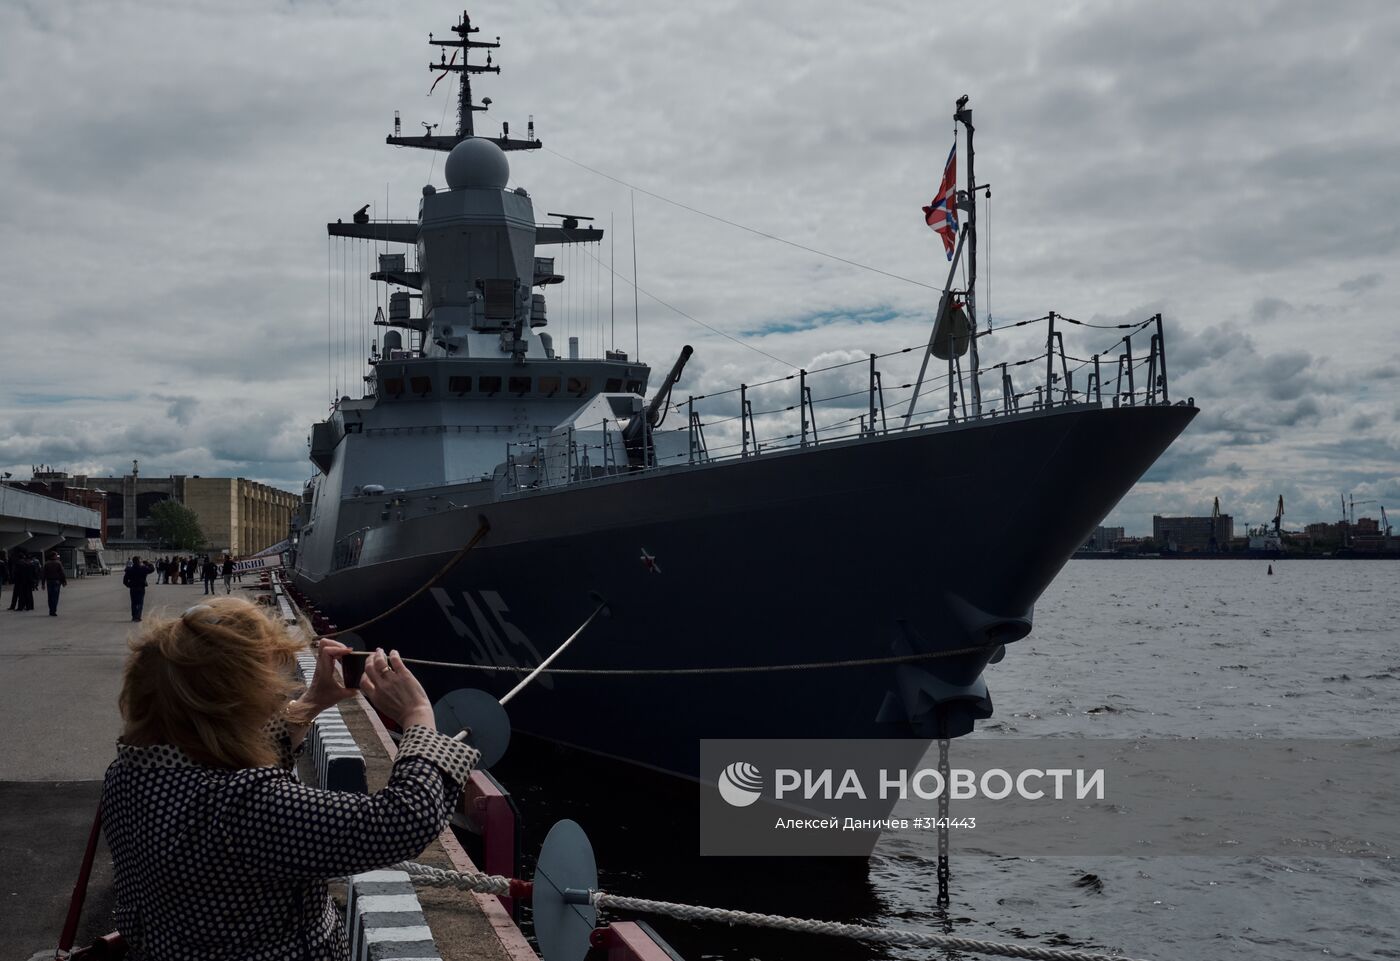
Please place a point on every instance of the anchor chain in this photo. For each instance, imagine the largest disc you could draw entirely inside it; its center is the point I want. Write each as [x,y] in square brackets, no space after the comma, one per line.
[943,873]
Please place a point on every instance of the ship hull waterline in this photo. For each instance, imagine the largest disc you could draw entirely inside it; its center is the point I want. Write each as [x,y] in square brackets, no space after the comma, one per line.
[917,541]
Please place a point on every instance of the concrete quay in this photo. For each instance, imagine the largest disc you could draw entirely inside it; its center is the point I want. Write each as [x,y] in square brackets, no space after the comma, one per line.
[62,676]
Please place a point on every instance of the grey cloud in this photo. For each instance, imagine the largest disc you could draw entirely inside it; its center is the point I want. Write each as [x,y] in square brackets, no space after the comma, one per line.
[1361,284]
[1283,374]
[1267,308]
[181,409]
[1303,411]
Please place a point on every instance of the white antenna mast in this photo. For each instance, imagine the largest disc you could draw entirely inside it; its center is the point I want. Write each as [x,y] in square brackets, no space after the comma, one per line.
[636,302]
[612,264]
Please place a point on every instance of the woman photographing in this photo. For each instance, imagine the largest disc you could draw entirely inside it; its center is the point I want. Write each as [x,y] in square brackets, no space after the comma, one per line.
[217,849]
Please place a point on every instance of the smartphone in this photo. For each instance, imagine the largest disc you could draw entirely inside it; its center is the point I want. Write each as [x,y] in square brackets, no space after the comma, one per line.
[352,667]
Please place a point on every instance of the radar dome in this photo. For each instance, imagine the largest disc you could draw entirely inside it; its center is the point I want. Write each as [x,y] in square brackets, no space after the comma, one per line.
[476,162]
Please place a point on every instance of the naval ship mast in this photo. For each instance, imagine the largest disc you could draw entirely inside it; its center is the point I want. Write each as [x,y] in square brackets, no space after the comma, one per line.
[394,270]
[466,106]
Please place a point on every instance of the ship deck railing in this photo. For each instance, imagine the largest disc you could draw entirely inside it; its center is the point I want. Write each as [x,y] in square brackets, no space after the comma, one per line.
[865,397]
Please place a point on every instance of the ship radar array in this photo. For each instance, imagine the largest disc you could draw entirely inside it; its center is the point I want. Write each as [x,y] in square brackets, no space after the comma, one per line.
[467,107]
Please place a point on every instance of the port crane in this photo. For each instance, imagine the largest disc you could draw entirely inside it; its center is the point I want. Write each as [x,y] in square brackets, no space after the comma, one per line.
[1354,502]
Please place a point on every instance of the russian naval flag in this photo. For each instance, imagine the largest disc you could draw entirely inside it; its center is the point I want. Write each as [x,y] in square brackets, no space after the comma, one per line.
[942,213]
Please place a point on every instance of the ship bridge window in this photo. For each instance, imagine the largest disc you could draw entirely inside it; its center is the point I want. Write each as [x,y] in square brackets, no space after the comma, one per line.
[393,386]
[459,384]
[421,385]
[519,385]
[579,386]
[549,386]
[613,385]
[634,387]
[489,385]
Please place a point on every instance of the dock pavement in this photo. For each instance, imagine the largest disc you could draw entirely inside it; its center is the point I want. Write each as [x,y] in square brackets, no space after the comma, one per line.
[61,677]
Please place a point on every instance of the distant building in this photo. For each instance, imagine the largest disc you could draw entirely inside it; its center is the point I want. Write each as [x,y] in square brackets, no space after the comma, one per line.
[1104,539]
[1193,534]
[57,484]
[37,522]
[1367,536]
[236,514]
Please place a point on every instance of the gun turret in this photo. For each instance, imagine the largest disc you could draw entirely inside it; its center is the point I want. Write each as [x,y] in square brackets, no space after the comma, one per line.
[637,434]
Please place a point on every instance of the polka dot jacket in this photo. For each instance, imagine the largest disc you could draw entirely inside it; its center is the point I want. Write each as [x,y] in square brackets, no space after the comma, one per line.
[232,864]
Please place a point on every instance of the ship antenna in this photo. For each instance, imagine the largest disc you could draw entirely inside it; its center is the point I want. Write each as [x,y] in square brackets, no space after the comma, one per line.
[467,107]
[636,301]
[612,291]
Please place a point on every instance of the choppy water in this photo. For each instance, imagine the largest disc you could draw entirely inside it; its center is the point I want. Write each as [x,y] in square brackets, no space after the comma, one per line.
[1121,649]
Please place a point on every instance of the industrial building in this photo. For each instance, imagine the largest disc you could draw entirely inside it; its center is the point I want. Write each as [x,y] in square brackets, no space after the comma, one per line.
[1104,539]
[237,515]
[1189,535]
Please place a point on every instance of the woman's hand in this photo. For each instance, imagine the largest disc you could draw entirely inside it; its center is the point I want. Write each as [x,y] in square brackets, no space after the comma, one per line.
[395,692]
[327,689]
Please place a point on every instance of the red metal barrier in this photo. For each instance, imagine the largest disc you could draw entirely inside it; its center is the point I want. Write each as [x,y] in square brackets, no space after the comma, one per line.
[494,819]
[631,941]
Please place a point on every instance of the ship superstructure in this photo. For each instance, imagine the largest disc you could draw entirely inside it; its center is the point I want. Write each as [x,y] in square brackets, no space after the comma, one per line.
[760,534]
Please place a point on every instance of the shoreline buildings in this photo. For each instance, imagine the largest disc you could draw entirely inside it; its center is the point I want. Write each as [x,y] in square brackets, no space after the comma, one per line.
[237,515]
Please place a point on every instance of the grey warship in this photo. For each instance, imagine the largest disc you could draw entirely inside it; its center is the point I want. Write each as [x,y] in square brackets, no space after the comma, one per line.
[845,569]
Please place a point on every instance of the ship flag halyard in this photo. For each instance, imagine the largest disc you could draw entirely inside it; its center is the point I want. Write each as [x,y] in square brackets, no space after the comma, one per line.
[942,212]
[444,73]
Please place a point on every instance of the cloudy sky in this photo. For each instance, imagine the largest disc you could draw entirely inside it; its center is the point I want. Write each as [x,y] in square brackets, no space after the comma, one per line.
[167,169]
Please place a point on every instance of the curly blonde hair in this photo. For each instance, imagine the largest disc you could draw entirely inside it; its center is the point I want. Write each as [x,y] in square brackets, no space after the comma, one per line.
[209,682]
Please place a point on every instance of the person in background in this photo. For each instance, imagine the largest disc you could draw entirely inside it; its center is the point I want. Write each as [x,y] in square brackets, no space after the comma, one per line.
[55,579]
[135,581]
[16,575]
[209,572]
[4,572]
[228,574]
[26,578]
[202,799]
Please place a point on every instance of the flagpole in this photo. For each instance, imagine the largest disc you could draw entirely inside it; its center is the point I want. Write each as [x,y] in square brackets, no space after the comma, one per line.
[964,116]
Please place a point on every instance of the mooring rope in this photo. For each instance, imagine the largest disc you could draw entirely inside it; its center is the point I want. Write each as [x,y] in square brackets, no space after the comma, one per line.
[733,669]
[456,559]
[428,876]
[496,884]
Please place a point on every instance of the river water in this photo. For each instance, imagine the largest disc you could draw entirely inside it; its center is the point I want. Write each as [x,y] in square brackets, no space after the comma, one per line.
[1121,649]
